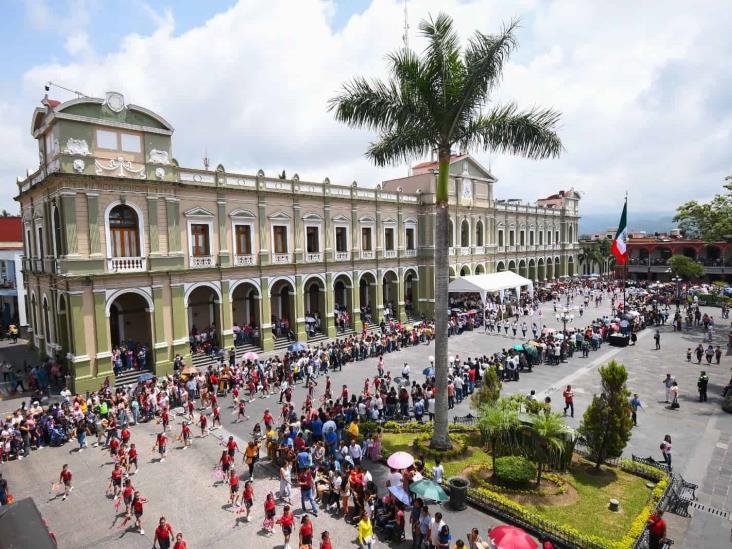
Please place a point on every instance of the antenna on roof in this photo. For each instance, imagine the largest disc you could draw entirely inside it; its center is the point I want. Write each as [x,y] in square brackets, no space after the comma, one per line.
[205,160]
[49,84]
[405,36]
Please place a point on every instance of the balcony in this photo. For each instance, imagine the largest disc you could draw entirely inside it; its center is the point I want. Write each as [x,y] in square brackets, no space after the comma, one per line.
[281,259]
[342,256]
[314,257]
[452,251]
[464,250]
[390,254]
[126,264]
[202,261]
[410,253]
[479,250]
[244,260]
[367,254]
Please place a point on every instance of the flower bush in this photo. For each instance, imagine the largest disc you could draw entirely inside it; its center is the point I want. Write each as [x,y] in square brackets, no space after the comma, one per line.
[421,446]
[515,470]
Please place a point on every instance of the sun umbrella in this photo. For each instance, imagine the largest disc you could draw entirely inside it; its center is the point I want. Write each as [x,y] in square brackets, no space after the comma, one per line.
[399,493]
[511,537]
[297,347]
[429,489]
[250,356]
[189,371]
[530,350]
[400,460]
[518,347]
[559,337]
[145,377]
[548,331]
[429,371]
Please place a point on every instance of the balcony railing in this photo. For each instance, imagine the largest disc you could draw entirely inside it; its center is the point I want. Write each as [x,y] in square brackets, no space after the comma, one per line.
[390,254]
[202,261]
[464,250]
[314,257]
[342,256]
[281,259]
[479,250]
[126,264]
[410,253]
[244,260]
[367,254]
[452,251]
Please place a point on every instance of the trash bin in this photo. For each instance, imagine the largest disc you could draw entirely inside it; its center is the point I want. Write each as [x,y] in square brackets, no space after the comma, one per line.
[458,493]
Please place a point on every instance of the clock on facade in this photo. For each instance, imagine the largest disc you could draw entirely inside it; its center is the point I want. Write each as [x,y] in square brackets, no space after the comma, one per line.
[467,188]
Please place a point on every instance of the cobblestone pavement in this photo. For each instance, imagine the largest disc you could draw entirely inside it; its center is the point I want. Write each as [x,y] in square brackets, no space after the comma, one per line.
[182,487]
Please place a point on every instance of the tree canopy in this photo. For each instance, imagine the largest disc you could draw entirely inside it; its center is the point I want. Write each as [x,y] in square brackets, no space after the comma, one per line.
[685,267]
[710,221]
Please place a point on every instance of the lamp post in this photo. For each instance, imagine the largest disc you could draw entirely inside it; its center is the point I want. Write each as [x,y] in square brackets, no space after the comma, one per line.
[565,316]
[677,280]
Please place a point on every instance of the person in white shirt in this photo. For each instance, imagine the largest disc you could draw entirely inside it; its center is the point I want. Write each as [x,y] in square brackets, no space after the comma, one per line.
[431,407]
[437,472]
[394,478]
[355,452]
[435,526]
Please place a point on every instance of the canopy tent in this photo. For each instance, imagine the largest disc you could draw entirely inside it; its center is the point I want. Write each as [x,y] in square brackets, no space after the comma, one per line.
[491,283]
[21,525]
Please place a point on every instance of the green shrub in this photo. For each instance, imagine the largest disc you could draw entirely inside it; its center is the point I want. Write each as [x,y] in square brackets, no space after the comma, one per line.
[421,447]
[727,404]
[515,470]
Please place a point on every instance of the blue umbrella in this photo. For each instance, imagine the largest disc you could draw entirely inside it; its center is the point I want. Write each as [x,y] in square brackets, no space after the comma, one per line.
[145,377]
[297,347]
[429,371]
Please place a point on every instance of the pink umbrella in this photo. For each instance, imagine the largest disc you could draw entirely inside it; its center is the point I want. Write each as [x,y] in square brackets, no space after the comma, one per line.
[251,356]
[511,537]
[400,460]
[548,331]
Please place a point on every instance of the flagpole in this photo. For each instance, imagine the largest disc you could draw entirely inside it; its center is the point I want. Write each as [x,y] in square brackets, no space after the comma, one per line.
[625,265]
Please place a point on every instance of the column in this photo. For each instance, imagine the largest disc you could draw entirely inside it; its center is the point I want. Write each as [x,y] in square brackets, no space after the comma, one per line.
[330,328]
[328,228]
[180,322]
[68,221]
[103,359]
[356,302]
[92,209]
[378,311]
[300,309]
[152,225]
[297,236]
[355,234]
[265,312]
[262,234]
[227,335]
[401,313]
[77,337]
[172,208]
[224,257]
[161,348]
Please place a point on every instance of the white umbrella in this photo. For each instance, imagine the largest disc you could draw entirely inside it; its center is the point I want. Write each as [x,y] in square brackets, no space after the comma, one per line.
[399,493]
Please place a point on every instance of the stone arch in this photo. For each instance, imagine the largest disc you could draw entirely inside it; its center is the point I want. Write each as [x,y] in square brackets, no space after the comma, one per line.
[570,266]
[246,300]
[282,305]
[130,321]
[465,270]
[367,295]
[479,269]
[512,266]
[411,291]
[110,247]
[522,269]
[500,266]
[452,273]
[390,290]
[139,291]
[203,303]
[314,289]
[193,287]
[532,269]
[540,269]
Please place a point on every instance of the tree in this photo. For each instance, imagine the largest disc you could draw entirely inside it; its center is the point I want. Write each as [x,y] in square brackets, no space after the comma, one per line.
[607,423]
[435,102]
[685,267]
[596,251]
[498,424]
[549,430]
[710,221]
[490,390]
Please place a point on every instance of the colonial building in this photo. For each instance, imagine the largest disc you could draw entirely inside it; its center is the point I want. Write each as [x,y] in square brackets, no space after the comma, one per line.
[648,257]
[12,302]
[123,245]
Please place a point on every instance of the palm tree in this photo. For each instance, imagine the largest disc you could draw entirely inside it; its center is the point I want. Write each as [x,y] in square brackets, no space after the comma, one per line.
[498,424]
[437,101]
[549,432]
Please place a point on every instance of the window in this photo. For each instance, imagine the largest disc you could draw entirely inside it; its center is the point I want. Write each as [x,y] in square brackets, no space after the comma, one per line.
[409,233]
[500,238]
[57,240]
[28,243]
[200,246]
[124,232]
[511,238]
[522,238]
[341,238]
[556,237]
[312,237]
[465,234]
[243,239]
[119,141]
[279,237]
[51,145]
[388,238]
[541,238]
[549,238]
[39,242]
[531,238]
[366,244]
[479,234]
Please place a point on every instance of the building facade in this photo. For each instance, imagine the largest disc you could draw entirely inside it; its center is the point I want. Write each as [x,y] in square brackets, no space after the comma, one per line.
[121,244]
[648,257]
[12,296]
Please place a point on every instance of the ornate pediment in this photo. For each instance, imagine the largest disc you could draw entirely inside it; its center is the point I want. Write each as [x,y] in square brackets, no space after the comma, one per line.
[198,212]
[279,216]
[241,213]
[340,219]
[312,217]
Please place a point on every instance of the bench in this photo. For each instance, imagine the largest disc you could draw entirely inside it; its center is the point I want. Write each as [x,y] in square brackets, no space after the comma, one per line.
[651,462]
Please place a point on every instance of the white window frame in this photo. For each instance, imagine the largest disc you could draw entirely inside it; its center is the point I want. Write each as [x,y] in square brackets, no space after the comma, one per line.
[140,226]
[318,225]
[280,223]
[370,225]
[395,240]
[244,222]
[340,225]
[410,225]
[200,220]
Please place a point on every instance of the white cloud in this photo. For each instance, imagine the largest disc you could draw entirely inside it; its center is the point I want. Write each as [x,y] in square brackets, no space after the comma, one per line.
[77,43]
[642,87]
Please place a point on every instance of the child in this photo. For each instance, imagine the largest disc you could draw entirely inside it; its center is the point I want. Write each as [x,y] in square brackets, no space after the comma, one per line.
[688,354]
[132,459]
[65,479]
[247,499]
[269,513]
[325,541]
[160,444]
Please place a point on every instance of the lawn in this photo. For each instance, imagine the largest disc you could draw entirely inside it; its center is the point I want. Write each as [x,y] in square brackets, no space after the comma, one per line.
[589,514]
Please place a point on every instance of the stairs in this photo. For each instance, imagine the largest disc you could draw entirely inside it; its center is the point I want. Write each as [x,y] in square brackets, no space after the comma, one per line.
[129,377]
[245,348]
[316,339]
[281,344]
[203,360]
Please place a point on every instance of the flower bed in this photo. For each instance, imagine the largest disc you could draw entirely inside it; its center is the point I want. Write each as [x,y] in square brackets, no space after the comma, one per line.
[421,446]
[480,481]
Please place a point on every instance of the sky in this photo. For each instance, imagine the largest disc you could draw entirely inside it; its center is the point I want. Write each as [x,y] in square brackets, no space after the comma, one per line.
[643,87]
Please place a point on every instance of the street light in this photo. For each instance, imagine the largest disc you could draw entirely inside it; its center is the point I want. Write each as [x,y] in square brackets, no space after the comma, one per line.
[565,316]
[677,280]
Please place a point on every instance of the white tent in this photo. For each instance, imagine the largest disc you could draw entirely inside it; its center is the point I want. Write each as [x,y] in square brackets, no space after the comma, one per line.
[491,283]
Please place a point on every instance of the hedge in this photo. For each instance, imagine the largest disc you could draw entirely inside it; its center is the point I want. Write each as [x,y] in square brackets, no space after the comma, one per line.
[459,448]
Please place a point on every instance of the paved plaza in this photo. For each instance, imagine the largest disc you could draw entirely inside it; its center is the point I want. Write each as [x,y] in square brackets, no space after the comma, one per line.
[182,488]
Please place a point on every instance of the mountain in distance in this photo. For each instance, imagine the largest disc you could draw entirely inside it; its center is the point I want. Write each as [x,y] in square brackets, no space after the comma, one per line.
[651,222]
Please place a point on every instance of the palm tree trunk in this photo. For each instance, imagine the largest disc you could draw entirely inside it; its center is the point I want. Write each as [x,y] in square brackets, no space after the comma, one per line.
[440,438]
[538,473]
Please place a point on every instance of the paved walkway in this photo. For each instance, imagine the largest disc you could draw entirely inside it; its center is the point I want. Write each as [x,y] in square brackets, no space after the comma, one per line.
[181,488]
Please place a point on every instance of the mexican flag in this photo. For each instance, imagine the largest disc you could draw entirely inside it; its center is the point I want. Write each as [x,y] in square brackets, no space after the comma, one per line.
[620,243]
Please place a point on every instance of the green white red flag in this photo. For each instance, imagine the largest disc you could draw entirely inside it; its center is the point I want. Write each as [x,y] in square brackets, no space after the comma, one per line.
[620,242]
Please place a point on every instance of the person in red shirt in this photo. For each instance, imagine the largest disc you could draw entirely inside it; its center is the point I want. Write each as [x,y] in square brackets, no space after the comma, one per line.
[225,462]
[113,447]
[125,436]
[267,419]
[161,444]
[180,543]
[232,446]
[203,422]
[65,478]
[132,459]
[241,412]
[191,407]
[656,530]
[325,540]
[306,533]
[115,482]
[185,435]
[216,416]
[247,498]
[286,520]
[137,502]
[165,418]
[233,487]
[269,513]
[163,534]
[127,493]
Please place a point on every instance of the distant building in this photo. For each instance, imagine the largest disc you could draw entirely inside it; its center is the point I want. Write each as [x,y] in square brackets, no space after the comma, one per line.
[648,257]
[12,295]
